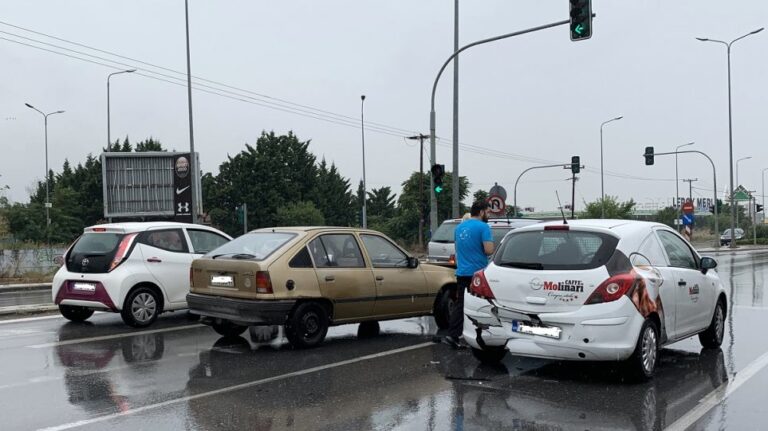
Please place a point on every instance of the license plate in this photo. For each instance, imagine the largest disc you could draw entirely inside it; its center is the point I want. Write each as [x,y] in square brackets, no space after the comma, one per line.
[84,287]
[542,331]
[222,281]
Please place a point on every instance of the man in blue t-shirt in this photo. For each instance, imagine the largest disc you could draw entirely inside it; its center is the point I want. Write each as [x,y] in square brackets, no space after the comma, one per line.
[474,243]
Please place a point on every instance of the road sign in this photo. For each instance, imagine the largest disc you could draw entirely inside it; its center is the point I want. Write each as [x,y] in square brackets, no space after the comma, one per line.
[496,204]
[688,207]
[687,219]
[498,190]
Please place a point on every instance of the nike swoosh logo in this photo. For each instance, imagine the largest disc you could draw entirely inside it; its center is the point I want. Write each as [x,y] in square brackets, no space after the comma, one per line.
[180,191]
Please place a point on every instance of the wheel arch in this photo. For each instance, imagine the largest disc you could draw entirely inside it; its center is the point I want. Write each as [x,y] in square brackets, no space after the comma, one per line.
[149,285]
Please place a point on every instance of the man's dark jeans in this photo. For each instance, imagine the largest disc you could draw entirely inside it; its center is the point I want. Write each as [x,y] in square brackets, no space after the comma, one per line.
[456,322]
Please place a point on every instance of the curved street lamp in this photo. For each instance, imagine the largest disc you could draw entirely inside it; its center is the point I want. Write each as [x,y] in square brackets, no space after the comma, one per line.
[109,137]
[602,175]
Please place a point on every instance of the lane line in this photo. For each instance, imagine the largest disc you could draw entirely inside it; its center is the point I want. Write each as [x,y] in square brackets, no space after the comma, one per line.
[114,336]
[30,319]
[720,394]
[234,388]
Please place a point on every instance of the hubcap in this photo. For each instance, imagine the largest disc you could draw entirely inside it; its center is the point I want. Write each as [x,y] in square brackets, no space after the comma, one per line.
[143,307]
[649,349]
[719,326]
[310,325]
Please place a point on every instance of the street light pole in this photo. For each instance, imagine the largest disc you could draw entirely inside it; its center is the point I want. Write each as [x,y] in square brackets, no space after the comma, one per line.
[677,188]
[432,143]
[602,175]
[730,126]
[762,180]
[109,136]
[455,205]
[192,159]
[362,131]
[515,211]
[737,168]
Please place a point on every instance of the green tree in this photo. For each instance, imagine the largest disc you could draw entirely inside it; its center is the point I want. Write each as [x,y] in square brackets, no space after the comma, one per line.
[666,216]
[381,203]
[613,208]
[480,195]
[149,145]
[332,196]
[299,214]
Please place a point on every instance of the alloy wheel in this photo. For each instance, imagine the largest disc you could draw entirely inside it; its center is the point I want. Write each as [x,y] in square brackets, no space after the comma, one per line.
[143,307]
[649,349]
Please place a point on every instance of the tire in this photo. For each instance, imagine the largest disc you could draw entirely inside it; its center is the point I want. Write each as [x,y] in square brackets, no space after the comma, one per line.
[143,348]
[489,355]
[712,337]
[141,307]
[75,313]
[368,329]
[642,364]
[228,329]
[442,309]
[307,325]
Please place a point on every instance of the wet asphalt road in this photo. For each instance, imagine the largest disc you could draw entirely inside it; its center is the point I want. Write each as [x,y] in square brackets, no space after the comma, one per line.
[180,375]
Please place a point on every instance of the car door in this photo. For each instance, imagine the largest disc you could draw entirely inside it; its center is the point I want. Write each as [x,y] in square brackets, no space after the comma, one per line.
[343,276]
[167,257]
[651,252]
[399,289]
[691,305]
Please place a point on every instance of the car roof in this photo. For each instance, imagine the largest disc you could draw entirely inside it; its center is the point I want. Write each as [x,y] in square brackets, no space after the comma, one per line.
[619,227]
[142,226]
[314,228]
[501,222]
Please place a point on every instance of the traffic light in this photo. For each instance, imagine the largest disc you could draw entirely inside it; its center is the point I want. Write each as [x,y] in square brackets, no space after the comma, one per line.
[649,155]
[575,164]
[437,177]
[758,208]
[581,19]
[240,214]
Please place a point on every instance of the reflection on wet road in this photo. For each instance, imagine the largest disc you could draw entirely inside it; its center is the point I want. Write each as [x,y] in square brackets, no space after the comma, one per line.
[178,375]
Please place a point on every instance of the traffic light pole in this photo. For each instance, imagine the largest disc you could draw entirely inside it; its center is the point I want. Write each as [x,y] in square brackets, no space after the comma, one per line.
[714,183]
[432,144]
[515,210]
[421,137]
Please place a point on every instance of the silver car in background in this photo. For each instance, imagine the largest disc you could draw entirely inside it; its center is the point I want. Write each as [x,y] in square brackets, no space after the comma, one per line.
[441,248]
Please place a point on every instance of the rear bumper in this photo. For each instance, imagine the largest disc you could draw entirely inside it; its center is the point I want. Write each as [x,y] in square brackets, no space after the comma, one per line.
[600,332]
[241,311]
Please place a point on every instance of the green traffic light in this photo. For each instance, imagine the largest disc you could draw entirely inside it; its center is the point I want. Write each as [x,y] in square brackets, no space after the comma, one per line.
[438,189]
[579,29]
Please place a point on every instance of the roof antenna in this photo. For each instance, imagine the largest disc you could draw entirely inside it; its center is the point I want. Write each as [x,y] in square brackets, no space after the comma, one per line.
[561,207]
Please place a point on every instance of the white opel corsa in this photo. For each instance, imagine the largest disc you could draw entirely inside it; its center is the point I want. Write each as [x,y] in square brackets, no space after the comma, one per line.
[594,290]
[136,269]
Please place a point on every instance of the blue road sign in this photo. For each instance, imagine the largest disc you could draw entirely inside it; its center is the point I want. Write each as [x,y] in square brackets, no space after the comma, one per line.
[687,219]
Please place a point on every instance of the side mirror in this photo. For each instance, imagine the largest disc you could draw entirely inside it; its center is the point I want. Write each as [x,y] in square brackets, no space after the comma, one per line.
[413,262]
[706,264]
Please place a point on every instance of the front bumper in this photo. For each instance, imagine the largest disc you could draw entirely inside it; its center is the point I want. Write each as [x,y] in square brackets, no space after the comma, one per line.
[598,332]
[241,311]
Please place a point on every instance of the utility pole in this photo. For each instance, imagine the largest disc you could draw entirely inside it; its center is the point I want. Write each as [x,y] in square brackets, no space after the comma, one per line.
[421,137]
[573,196]
[192,159]
[690,186]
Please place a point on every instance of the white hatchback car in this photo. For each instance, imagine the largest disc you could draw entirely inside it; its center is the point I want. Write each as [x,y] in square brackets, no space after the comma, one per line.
[596,290]
[136,269]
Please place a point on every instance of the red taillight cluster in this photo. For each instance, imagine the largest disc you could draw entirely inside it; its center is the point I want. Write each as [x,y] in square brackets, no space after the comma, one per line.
[479,286]
[263,282]
[612,289]
[122,250]
[452,260]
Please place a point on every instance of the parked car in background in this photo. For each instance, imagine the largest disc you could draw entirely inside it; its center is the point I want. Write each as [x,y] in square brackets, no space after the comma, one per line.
[309,278]
[441,247]
[725,238]
[136,269]
[594,290]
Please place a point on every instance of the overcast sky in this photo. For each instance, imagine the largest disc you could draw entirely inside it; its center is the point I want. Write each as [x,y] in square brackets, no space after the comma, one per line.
[534,99]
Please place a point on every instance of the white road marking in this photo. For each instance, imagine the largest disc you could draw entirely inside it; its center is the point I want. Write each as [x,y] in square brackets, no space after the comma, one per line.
[719,395]
[233,388]
[111,337]
[31,319]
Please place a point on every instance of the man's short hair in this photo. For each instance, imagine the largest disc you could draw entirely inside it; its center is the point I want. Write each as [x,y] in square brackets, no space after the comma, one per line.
[477,207]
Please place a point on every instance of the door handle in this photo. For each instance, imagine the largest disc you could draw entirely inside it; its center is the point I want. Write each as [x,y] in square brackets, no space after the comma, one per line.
[154,260]
[330,278]
[379,277]
[681,283]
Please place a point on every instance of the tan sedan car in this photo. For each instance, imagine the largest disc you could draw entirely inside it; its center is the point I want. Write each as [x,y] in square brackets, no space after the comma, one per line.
[309,278]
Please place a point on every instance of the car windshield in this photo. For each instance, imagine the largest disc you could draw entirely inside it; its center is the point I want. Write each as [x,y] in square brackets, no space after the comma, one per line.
[556,250]
[93,243]
[445,233]
[254,245]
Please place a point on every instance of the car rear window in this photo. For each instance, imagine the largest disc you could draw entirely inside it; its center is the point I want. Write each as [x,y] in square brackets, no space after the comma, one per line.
[254,245]
[556,250]
[93,252]
[498,234]
[444,233]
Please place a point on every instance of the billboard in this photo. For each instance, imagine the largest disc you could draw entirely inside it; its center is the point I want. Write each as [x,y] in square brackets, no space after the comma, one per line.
[150,185]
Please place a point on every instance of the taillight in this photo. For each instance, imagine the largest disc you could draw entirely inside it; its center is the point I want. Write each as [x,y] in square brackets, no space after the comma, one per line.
[480,287]
[263,282]
[612,289]
[452,260]
[557,227]
[99,229]
[122,250]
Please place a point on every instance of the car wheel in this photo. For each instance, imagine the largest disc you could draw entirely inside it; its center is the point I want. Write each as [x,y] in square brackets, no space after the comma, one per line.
[307,325]
[712,337]
[489,355]
[141,307]
[642,364]
[368,329]
[442,309]
[143,348]
[226,328]
[75,313]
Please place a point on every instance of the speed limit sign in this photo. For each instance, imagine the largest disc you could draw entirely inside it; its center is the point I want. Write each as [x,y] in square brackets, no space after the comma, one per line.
[496,204]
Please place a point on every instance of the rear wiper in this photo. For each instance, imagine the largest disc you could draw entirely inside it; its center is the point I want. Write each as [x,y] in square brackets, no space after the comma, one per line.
[524,265]
[236,255]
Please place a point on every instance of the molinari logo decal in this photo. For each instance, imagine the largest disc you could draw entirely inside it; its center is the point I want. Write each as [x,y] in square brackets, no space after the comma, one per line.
[565,286]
